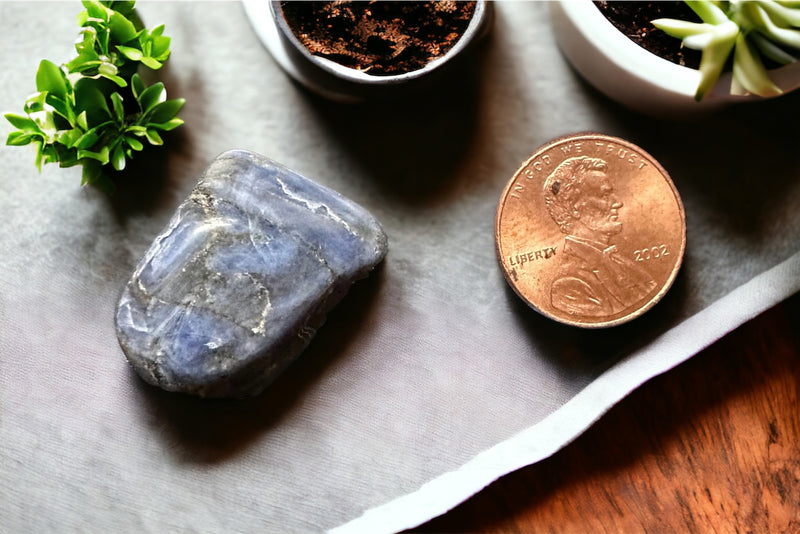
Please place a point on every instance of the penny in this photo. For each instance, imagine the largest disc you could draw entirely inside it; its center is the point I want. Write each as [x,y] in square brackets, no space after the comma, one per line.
[590,231]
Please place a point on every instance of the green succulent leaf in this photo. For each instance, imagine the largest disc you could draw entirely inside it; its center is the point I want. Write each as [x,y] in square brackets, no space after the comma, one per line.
[708,12]
[744,31]
[771,51]
[714,57]
[783,15]
[750,73]
[682,29]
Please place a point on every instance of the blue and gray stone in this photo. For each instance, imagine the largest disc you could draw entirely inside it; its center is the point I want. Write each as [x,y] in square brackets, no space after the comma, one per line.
[238,282]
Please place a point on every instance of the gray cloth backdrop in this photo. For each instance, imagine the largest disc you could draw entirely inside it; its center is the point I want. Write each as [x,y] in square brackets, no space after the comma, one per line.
[431,379]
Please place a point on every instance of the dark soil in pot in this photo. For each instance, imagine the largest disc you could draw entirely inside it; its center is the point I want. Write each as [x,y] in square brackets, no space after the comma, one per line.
[633,20]
[380,38]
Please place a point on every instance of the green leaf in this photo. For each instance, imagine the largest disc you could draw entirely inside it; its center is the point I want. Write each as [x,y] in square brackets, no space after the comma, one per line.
[134,54]
[134,143]
[19,138]
[682,29]
[157,31]
[713,61]
[782,15]
[87,140]
[708,11]
[151,63]
[153,137]
[160,48]
[119,109]
[119,80]
[101,156]
[82,121]
[749,71]
[51,78]
[137,86]
[40,150]
[62,107]
[107,69]
[782,36]
[123,6]
[35,102]
[96,9]
[89,98]
[136,130]
[88,59]
[122,30]
[85,43]
[770,50]
[21,122]
[83,18]
[167,126]
[165,110]
[118,157]
[83,66]
[152,96]
[69,137]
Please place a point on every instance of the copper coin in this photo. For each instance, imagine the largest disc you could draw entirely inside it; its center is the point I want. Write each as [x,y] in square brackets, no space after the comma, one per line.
[590,231]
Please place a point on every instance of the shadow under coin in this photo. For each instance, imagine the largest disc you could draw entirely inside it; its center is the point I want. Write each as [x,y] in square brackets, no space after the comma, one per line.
[584,354]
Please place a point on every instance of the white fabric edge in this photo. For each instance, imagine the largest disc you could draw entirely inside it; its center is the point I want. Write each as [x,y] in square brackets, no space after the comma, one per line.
[566,423]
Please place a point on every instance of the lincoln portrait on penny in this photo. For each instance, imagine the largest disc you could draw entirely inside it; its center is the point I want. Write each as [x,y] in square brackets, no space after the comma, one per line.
[594,279]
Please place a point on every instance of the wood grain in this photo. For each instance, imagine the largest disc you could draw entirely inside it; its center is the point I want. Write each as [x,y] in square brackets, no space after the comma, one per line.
[711,446]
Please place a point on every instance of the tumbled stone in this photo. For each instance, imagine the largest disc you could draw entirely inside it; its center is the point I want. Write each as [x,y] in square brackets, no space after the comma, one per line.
[238,282]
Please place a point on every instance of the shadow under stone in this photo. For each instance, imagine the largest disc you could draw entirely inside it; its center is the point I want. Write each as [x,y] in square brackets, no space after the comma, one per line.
[213,430]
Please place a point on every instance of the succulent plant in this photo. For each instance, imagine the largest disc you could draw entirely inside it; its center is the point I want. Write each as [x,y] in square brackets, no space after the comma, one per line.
[751,30]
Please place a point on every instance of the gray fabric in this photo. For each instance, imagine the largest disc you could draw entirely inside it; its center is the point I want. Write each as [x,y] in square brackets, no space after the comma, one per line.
[425,365]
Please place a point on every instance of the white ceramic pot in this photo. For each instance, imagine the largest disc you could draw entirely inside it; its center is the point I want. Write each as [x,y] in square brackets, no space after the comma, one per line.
[634,77]
[338,82]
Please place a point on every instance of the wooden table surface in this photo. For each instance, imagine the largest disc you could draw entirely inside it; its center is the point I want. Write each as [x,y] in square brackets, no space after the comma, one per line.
[711,446]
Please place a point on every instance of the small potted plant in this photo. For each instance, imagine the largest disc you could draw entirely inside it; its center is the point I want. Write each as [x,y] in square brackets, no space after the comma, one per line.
[356,50]
[743,51]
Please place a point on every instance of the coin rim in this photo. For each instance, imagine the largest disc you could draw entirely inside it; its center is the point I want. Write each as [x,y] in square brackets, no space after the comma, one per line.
[675,270]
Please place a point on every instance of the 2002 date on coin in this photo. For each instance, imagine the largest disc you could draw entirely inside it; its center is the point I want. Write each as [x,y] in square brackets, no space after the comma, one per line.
[590,231]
